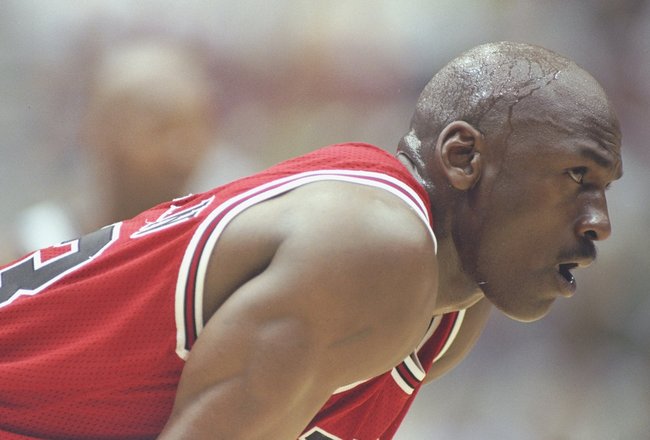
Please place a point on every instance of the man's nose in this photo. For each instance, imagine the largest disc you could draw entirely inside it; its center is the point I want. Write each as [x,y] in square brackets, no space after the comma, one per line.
[594,221]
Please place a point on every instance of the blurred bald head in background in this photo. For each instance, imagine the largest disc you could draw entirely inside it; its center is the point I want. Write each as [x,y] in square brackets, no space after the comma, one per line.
[150,120]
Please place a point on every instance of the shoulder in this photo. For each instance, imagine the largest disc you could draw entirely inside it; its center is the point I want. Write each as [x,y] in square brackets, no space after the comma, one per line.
[362,232]
[356,208]
[321,287]
[369,261]
[356,255]
[333,218]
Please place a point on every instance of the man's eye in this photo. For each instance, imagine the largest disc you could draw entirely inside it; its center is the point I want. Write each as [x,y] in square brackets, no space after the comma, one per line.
[577,174]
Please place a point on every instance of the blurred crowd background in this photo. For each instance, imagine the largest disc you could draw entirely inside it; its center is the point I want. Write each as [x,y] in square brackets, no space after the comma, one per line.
[108,107]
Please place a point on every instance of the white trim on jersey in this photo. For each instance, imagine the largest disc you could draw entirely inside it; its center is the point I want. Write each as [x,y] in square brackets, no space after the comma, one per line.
[240,202]
[415,367]
[74,248]
[408,389]
[350,386]
[433,326]
[409,362]
[452,335]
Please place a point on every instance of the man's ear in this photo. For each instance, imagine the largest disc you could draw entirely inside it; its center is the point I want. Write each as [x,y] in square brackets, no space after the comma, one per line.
[459,149]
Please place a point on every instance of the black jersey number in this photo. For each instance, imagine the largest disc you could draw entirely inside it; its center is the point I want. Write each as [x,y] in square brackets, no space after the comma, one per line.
[318,434]
[32,275]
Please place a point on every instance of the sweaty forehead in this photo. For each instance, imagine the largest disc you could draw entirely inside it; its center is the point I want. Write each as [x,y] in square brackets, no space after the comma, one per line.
[561,120]
[573,104]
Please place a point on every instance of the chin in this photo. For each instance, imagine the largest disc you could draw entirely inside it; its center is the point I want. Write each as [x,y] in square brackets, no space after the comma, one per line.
[527,317]
[524,311]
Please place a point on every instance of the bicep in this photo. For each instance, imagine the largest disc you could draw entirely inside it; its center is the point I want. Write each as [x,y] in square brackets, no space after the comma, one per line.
[251,370]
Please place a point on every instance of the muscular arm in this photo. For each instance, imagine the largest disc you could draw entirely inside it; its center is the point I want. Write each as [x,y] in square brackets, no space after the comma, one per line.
[345,293]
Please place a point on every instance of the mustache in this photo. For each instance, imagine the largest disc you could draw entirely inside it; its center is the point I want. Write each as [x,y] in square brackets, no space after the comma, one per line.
[584,251]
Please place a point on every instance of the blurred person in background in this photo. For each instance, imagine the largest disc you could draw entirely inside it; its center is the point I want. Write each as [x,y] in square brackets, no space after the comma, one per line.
[149,129]
[149,122]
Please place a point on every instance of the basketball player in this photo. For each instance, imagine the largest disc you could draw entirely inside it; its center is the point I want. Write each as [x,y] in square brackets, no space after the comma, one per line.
[314,299]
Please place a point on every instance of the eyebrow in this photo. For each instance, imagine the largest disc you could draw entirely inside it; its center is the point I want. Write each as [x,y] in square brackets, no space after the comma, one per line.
[602,160]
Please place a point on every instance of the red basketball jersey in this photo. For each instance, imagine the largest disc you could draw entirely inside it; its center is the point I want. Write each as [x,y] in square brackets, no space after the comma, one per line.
[95,331]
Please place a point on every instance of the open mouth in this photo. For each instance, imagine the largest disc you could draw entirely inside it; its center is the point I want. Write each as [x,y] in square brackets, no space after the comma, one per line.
[565,270]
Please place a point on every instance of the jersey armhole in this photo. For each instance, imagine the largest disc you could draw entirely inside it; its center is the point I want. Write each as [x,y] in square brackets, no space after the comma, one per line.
[192,272]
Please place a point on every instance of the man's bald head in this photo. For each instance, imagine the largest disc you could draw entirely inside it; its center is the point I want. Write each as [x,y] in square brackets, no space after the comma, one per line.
[515,146]
[484,85]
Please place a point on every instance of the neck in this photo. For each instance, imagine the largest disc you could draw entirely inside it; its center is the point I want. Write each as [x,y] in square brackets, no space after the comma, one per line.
[456,289]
